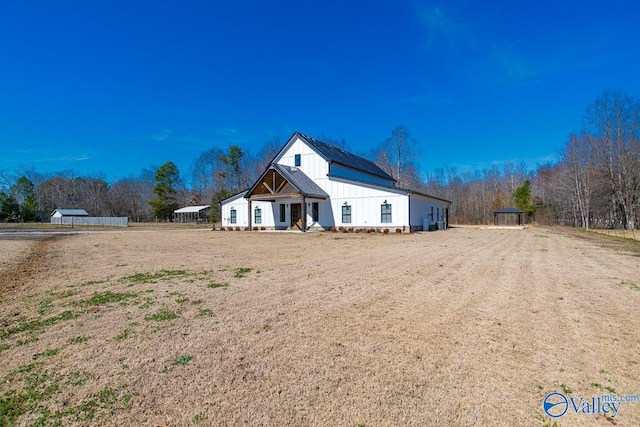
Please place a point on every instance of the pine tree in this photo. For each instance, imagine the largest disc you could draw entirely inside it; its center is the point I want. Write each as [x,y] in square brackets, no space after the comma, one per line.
[522,198]
[166,179]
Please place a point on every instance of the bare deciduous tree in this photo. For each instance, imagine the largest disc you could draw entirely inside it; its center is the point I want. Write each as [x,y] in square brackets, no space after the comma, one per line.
[396,155]
[614,121]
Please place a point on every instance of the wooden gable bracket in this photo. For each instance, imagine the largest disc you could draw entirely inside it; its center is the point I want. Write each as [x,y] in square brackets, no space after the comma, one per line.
[268,188]
[282,184]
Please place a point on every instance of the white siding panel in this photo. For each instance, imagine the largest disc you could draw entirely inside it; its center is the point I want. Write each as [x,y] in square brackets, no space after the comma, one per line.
[366,203]
[240,205]
[267,214]
[270,213]
[421,208]
[312,164]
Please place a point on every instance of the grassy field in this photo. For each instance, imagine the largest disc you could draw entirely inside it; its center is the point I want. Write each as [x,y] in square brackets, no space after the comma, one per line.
[186,326]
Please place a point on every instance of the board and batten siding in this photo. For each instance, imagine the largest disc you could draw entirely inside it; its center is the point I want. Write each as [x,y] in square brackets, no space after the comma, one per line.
[366,204]
[421,207]
[240,205]
[270,213]
[311,163]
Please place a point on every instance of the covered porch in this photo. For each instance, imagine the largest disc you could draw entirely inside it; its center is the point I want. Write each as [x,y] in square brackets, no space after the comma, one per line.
[293,196]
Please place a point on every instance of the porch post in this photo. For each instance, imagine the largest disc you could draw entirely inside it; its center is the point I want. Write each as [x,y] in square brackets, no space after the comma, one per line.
[304,214]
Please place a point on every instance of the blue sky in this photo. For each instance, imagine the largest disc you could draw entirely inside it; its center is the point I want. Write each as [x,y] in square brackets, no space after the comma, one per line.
[117,86]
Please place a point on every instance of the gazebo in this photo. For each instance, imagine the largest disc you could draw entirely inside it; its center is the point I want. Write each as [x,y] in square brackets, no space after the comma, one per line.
[192,214]
[506,213]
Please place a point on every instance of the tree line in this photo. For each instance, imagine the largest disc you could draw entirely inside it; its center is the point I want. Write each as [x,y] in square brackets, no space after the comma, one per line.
[594,183]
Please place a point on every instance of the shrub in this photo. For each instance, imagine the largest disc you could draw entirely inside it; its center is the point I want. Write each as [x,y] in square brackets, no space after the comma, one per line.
[398,230]
[357,230]
[255,228]
[262,228]
[237,228]
[385,231]
[333,229]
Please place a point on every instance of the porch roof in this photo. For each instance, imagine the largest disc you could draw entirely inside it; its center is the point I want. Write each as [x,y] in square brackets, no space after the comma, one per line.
[294,176]
[192,209]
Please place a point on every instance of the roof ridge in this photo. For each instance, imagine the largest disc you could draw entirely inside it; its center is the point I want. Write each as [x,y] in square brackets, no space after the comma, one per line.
[369,166]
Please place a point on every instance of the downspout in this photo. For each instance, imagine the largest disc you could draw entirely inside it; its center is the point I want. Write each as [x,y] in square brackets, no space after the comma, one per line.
[409,196]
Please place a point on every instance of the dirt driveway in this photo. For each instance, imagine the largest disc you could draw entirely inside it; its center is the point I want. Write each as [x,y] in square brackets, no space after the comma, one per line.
[464,327]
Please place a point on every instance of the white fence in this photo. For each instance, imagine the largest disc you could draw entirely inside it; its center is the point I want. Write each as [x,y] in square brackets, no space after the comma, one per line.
[111,221]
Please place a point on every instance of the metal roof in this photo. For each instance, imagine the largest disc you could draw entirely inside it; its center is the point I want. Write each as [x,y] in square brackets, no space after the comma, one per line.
[189,209]
[509,210]
[71,212]
[337,155]
[300,181]
[233,197]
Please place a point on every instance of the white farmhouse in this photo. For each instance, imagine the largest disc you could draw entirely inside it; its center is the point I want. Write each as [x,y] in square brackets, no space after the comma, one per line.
[311,185]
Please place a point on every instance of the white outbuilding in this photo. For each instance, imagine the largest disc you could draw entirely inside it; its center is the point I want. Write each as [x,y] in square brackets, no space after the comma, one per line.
[192,214]
[60,213]
[311,185]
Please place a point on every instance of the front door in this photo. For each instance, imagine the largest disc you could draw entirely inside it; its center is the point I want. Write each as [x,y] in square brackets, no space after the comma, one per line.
[296,215]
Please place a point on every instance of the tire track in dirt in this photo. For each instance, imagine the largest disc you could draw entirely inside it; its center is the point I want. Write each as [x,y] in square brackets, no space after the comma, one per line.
[34,265]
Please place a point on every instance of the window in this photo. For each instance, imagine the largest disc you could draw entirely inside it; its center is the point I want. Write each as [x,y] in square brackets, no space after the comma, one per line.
[438,214]
[314,212]
[233,216]
[282,213]
[297,160]
[385,213]
[346,214]
[258,216]
[431,213]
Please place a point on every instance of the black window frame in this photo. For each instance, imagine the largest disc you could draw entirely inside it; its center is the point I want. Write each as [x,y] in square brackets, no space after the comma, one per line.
[283,213]
[386,217]
[315,211]
[257,215]
[233,219]
[297,160]
[346,216]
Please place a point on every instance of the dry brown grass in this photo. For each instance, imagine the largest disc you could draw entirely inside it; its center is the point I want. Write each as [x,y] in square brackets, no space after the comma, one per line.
[464,327]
